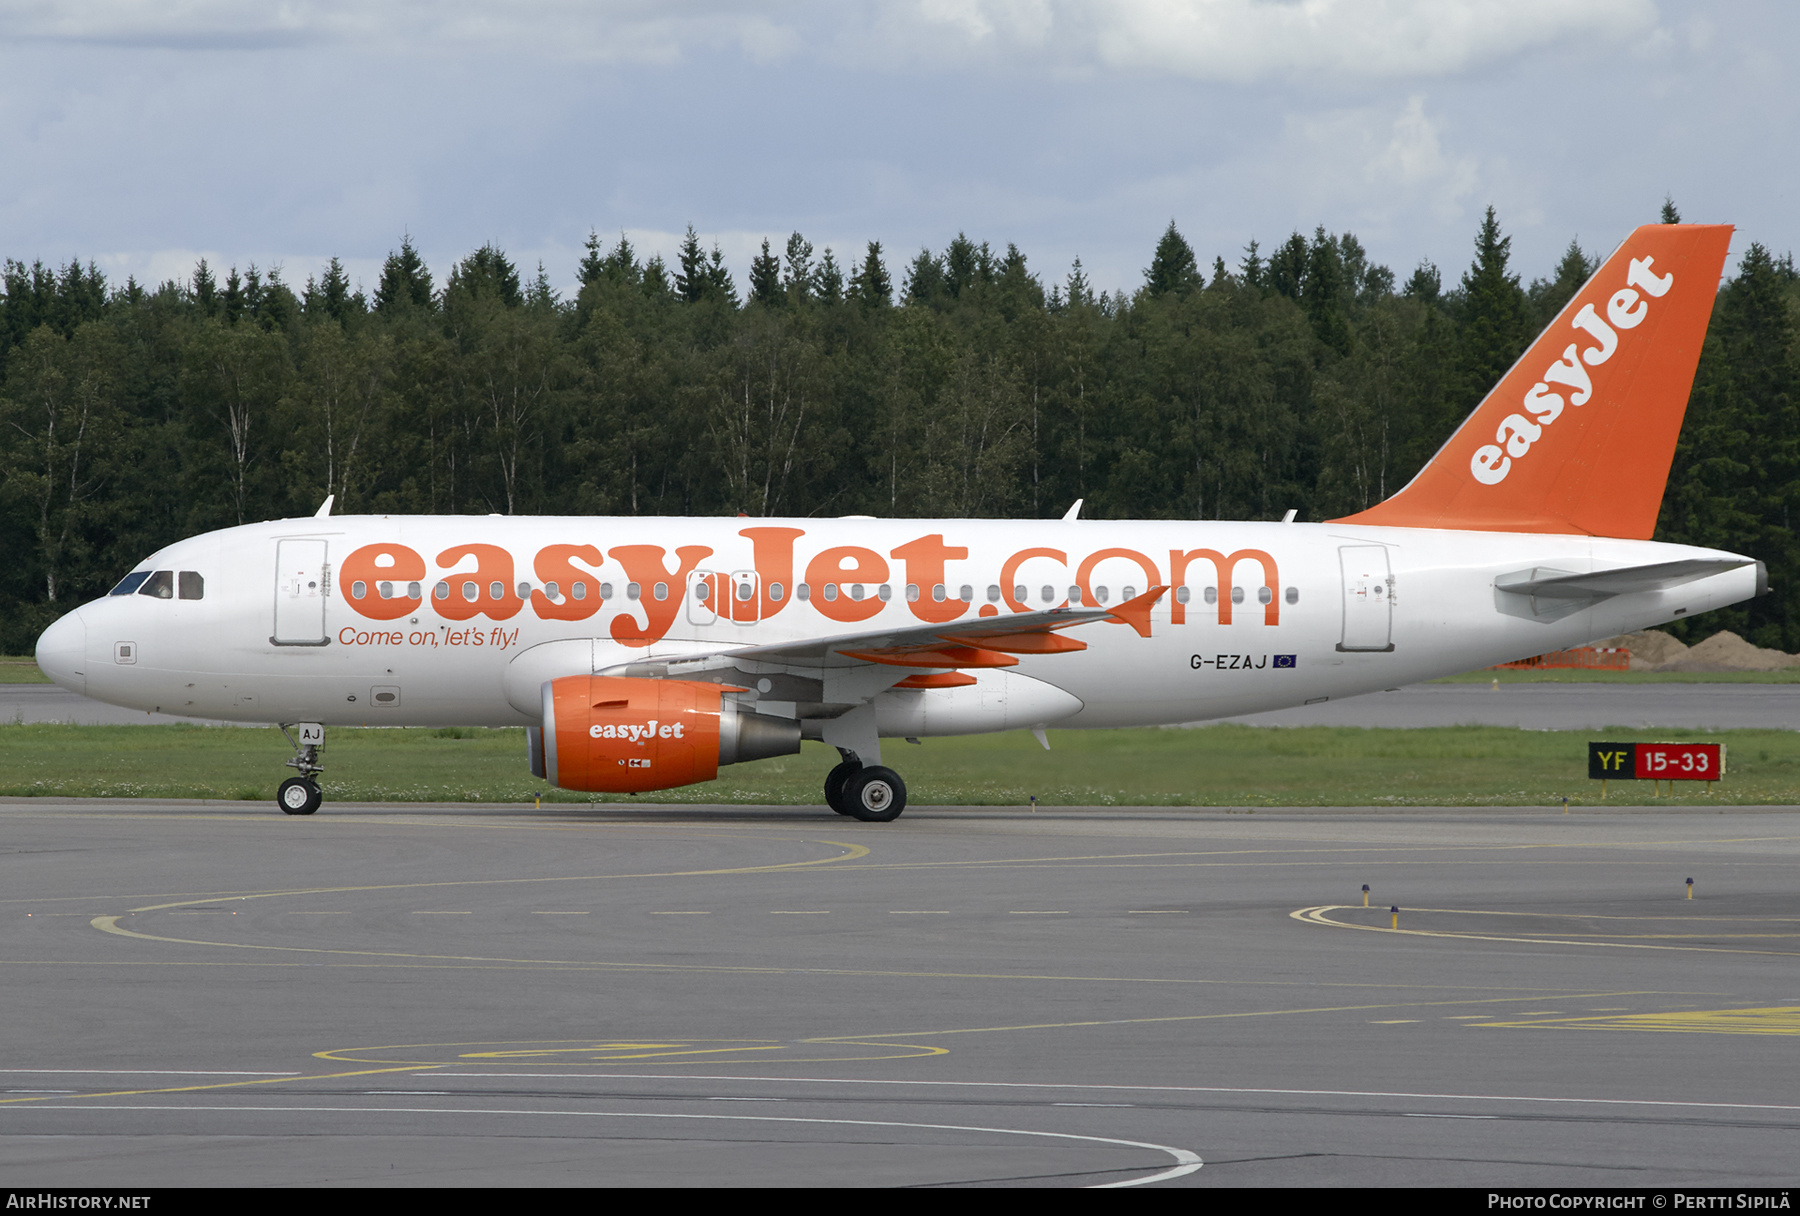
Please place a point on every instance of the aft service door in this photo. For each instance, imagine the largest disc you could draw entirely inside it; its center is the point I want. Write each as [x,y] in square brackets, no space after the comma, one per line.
[1368,598]
[300,590]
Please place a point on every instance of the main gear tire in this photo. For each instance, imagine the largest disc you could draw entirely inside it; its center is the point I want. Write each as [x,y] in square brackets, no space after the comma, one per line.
[835,781]
[875,794]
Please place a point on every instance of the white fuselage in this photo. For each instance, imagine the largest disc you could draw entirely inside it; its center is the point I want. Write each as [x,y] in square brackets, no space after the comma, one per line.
[1352,609]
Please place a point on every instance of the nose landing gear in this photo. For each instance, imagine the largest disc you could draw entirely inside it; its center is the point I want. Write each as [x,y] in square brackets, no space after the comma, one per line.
[301,795]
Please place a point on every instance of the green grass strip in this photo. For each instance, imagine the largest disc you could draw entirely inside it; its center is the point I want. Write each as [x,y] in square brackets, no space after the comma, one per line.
[1224,765]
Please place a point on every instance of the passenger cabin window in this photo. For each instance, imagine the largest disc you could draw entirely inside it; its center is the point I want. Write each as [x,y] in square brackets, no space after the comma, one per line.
[131,582]
[160,584]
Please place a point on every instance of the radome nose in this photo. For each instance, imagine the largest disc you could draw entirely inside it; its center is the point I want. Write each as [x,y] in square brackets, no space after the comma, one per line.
[62,652]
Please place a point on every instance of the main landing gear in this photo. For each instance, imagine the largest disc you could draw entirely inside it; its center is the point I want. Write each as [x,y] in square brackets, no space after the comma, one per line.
[872,794]
[301,795]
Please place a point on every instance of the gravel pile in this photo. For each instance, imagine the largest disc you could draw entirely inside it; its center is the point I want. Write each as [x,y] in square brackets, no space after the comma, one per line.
[1654,650]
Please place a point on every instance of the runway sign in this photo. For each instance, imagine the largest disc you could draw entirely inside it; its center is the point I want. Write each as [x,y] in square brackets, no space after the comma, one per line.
[1656,761]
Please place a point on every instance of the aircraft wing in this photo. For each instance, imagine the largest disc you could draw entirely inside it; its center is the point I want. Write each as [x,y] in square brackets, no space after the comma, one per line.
[979,643]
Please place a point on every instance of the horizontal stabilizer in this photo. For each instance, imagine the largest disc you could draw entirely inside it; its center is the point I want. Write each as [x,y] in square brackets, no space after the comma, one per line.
[1549,595]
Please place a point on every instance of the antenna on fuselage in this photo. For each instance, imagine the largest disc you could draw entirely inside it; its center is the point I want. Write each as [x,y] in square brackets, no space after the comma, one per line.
[324,507]
[1074,511]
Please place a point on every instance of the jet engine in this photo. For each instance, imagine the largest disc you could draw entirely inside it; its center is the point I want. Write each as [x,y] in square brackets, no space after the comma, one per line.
[618,734]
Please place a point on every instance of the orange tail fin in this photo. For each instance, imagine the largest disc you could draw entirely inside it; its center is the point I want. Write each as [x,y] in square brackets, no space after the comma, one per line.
[1579,435]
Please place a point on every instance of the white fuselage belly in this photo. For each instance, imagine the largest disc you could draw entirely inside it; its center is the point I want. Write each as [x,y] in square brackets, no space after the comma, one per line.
[214,657]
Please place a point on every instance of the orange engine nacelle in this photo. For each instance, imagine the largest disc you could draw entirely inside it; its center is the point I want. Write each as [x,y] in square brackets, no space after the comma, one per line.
[617,734]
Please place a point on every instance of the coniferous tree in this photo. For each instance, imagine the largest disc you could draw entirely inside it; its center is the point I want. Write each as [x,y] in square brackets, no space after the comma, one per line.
[331,296]
[765,278]
[719,283]
[1173,268]
[925,279]
[1081,294]
[658,283]
[1252,268]
[593,261]
[487,274]
[966,265]
[1549,295]
[828,279]
[1322,290]
[405,281]
[1493,325]
[620,264]
[540,295]
[691,277]
[797,279]
[233,299]
[205,289]
[1287,267]
[870,285]
[1425,284]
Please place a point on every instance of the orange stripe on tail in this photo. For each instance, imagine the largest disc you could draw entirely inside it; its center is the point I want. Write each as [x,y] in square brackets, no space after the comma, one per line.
[1579,435]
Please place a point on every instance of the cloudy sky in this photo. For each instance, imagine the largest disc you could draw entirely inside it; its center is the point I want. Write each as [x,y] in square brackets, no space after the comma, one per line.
[144,134]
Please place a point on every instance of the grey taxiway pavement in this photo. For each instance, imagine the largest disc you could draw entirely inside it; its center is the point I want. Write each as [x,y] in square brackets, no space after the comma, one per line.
[1533,706]
[406,995]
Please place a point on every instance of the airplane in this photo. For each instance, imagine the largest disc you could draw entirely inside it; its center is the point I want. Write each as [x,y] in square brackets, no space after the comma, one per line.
[646,653]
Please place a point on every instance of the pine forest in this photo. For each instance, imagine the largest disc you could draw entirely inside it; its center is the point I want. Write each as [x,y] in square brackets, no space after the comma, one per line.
[954,383]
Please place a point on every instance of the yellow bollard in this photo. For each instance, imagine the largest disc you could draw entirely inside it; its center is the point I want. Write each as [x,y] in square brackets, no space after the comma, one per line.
[1690,888]
[1396,911]
[1365,895]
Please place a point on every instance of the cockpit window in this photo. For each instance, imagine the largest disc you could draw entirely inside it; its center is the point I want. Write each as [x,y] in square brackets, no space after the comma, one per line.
[160,584]
[130,582]
[193,587]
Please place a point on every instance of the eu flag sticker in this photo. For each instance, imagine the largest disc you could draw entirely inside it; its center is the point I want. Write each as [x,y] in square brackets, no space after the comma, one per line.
[1284,660]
